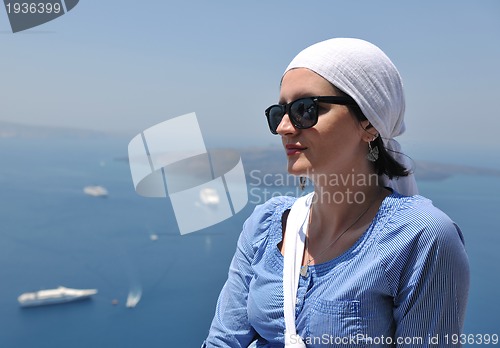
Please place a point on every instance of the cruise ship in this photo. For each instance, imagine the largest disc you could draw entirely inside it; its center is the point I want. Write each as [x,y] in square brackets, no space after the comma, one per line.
[54,296]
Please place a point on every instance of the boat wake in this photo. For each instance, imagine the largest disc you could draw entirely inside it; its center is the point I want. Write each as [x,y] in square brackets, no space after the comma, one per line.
[133,298]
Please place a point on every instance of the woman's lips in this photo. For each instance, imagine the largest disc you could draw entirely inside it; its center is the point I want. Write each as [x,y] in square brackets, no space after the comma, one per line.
[294,149]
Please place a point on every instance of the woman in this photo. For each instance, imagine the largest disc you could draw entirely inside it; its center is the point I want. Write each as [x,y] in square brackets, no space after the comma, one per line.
[362,261]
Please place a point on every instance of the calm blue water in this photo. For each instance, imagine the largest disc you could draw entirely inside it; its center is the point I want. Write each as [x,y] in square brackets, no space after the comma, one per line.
[52,234]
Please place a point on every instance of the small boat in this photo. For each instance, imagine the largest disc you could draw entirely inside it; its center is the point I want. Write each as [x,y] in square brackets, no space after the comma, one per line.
[133,298]
[54,296]
[95,191]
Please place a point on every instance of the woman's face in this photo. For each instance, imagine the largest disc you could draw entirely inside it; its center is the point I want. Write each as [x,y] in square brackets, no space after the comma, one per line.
[335,144]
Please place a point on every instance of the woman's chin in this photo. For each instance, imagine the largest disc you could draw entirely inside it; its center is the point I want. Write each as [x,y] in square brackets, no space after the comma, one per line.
[299,169]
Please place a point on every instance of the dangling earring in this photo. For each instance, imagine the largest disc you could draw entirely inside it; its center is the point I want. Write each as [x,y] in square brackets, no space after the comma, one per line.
[372,154]
[302,183]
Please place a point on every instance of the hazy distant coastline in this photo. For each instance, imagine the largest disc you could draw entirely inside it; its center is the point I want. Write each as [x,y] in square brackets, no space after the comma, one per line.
[261,162]
[256,161]
[22,131]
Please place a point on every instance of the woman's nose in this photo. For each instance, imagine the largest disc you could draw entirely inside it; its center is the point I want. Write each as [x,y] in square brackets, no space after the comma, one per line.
[286,126]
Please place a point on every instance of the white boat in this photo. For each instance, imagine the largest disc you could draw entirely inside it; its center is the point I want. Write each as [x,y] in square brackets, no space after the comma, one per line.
[95,191]
[209,196]
[54,296]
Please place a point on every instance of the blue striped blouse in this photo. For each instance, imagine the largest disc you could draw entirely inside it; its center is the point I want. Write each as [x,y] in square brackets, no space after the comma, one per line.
[404,283]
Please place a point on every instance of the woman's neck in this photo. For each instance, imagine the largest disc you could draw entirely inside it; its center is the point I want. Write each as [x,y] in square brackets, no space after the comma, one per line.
[340,199]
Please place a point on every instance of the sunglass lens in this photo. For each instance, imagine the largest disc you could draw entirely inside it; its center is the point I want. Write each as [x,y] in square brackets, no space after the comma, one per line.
[303,112]
[275,115]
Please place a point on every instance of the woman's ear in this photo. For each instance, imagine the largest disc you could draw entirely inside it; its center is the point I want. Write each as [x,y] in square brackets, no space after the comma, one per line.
[366,125]
[369,132]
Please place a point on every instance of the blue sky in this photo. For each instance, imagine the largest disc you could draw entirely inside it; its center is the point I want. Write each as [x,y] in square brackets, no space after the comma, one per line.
[123,65]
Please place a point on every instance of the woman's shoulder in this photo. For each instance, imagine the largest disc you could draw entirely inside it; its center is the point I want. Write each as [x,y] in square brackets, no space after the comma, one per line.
[417,210]
[266,216]
[412,218]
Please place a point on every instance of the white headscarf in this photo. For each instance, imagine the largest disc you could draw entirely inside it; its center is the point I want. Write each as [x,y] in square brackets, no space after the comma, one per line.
[365,73]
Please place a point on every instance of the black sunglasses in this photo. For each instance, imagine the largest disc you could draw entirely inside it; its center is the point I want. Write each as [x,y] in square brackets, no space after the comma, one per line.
[303,112]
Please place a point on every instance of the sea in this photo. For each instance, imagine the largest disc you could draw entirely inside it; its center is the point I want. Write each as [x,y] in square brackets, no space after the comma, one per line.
[52,234]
